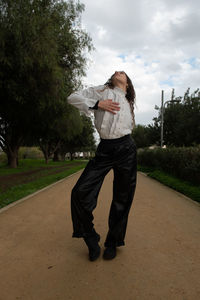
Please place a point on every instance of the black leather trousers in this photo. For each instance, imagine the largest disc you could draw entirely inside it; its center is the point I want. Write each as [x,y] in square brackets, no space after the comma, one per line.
[121,156]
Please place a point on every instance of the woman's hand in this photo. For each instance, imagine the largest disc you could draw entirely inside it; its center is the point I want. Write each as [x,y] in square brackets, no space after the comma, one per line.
[109,105]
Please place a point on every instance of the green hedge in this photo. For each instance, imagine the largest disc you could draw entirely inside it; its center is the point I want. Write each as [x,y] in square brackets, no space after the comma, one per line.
[182,162]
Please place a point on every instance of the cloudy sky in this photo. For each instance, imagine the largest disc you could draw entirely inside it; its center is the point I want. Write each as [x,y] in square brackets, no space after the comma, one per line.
[156,42]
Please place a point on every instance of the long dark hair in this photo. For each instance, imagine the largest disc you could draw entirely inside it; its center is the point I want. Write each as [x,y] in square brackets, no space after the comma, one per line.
[130,91]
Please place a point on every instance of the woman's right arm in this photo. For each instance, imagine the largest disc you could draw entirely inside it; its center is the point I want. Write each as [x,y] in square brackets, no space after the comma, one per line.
[85,99]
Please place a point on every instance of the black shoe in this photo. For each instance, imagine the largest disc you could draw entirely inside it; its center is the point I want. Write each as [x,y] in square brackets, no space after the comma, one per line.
[110,253]
[93,246]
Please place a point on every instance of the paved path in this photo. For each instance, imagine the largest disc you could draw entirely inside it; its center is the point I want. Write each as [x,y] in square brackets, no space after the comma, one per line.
[161,260]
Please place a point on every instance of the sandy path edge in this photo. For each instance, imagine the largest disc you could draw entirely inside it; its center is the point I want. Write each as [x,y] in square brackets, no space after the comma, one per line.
[37,192]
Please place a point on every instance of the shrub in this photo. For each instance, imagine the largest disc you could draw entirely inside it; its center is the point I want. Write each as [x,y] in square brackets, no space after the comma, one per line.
[182,162]
[30,152]
[3,158]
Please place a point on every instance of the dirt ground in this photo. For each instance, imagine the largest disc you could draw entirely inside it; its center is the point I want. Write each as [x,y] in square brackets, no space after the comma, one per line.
[10,180]
[39,260]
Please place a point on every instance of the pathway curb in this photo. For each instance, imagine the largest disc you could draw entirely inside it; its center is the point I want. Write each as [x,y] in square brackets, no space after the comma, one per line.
[35,193]
[177,192]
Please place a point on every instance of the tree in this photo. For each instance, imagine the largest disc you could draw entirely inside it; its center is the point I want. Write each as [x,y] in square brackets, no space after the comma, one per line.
[191,117]
[64,128]
[181,120]
[41,63]
[84,141]
[145,136]
[140,136]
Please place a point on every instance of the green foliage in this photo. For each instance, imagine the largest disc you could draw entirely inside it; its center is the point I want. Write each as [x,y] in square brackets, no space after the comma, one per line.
[29,164]
[181,120]
[29,152]
[19,191]
[83,141]
[42,60]
[3,158]
[145,136]
[181,186]
[86,140]
[182,162]
[67,126]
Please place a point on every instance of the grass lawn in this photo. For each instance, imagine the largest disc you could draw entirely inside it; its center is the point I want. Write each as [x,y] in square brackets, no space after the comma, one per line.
[32,175]
[184,187]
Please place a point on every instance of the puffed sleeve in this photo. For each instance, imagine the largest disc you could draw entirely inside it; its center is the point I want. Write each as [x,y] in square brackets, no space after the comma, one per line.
[86,99]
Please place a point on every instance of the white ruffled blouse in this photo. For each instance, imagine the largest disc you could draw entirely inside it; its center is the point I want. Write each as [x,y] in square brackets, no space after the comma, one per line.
[108,125]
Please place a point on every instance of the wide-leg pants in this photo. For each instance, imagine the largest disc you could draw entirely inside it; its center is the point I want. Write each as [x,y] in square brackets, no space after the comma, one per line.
[121,156]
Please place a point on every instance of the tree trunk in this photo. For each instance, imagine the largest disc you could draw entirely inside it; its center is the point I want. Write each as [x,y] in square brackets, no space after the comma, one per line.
[46,156]
[44,148]
[12,156]
[48,149]
[71,156]
[10,145]
[63,157]
[56,156]
[8,157]
[13,161]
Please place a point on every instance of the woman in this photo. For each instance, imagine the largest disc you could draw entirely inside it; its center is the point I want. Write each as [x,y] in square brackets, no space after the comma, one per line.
[113,106]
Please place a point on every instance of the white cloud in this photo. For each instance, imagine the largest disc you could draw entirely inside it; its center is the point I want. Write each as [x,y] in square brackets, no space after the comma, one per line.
[155,42]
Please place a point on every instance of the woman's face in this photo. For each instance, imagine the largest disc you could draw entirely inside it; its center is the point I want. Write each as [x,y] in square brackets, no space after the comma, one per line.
[119,76]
